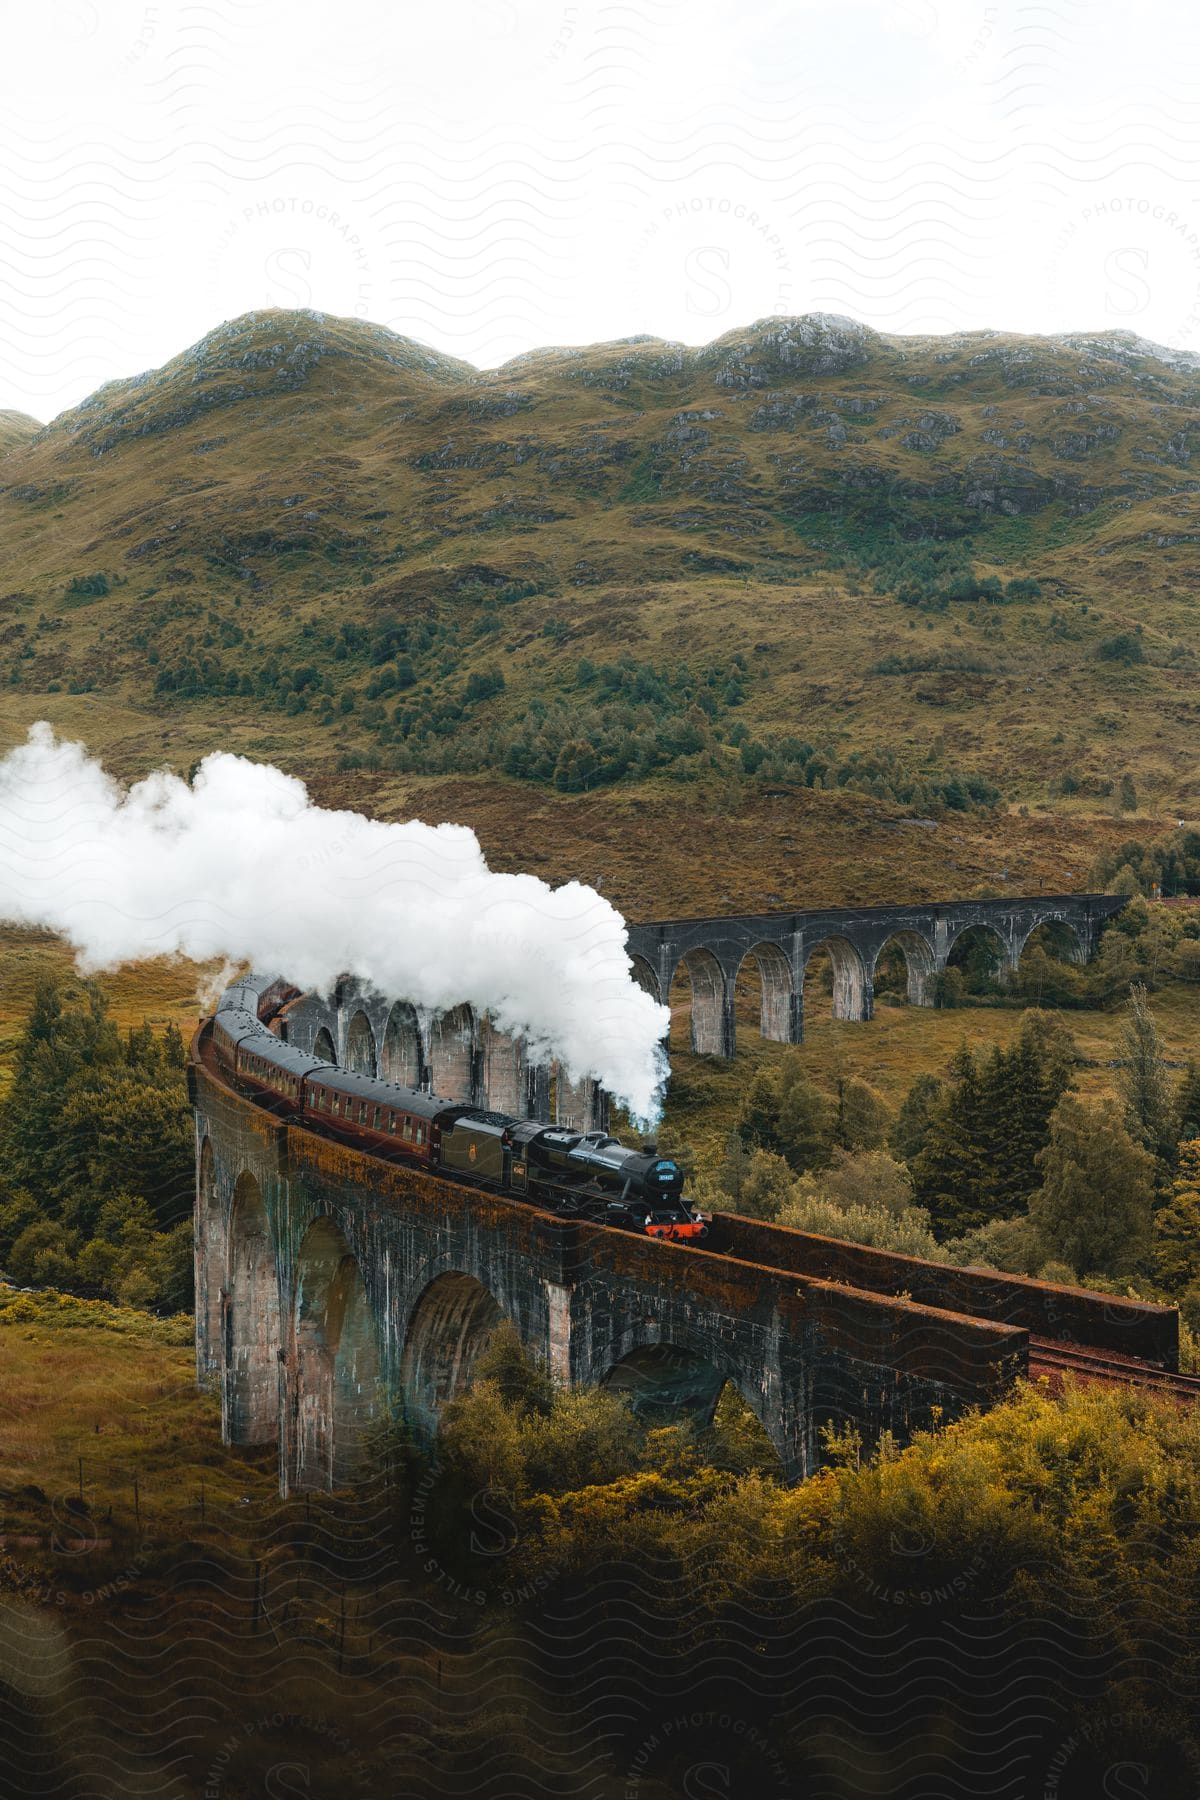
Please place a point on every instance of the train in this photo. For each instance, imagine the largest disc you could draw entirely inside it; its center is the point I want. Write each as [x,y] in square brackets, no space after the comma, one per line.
[574,1174]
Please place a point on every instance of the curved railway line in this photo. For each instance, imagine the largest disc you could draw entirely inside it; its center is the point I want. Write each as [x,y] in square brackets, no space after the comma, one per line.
[1049,1331]
[1055,1359]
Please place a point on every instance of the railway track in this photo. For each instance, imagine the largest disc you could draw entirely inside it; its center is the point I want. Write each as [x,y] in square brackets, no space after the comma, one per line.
[1049,1357]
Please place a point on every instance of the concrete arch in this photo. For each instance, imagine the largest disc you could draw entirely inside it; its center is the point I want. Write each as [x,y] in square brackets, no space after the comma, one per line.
[981,926]
[402,1058]
[980,931]
[672,1376]
[775,982]
[452,1054]
[323,1046]
[919,962]
[361,1054]
[334,1363]
[1074,946]
[250,1392]
[448,1330]
[712,1011]
[850,984]
[210,1259]
[643,974]
[502,1069]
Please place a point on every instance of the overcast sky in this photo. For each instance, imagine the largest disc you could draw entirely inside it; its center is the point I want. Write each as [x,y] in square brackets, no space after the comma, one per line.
[492,175]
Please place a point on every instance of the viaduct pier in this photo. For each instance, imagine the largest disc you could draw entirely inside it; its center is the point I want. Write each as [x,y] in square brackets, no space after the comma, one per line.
[713,952]
[332,1283]
[463,1056]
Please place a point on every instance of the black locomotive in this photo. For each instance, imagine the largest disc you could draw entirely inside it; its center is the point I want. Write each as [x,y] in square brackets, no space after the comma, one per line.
[586,1175]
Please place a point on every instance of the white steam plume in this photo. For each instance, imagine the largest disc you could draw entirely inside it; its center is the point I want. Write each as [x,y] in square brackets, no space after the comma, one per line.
[242,865]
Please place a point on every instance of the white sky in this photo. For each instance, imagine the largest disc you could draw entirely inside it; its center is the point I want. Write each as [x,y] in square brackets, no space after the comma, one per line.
[492,175]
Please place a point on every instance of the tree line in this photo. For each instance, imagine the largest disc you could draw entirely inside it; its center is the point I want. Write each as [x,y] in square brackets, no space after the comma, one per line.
[97,1156]
[997,1161]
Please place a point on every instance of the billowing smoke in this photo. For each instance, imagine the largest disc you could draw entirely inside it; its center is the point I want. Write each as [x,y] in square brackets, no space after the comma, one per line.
[242,865]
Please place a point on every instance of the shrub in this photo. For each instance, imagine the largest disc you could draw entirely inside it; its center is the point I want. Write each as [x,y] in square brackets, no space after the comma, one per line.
[482,684]
[1123,647]
[906,1233]
[93,586]
[1093,1210]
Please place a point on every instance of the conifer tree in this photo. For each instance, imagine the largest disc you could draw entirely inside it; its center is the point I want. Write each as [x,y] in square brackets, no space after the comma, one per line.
[862,1116]
[1177,1225]
[1023,1085]
[786,1113]
[1187,1105]
[1094,1208]
[979,1151]
[1143,1078]
[950,1175]
[95,1117]
[916,1115]
[735,1167]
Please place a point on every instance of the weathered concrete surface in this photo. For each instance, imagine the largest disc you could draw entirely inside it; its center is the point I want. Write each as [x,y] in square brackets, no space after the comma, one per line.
[385,1282]
[457,1054]
[712,951]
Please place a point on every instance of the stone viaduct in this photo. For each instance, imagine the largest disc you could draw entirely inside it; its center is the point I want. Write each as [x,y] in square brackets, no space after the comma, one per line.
[334,1286]
[464,1057]
[711,952]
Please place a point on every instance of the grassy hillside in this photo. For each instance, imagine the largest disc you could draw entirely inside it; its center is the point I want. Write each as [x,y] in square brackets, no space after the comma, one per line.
[15,429]
[805,557]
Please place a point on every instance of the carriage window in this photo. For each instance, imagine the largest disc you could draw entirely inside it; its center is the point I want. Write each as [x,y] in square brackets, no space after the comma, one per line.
[392,1123]
[408,1128]
[375,1120]
[362,1112]
[420,1134]
[337,1106]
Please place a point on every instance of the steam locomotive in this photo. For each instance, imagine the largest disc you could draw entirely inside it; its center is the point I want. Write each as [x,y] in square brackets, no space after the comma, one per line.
[582,1175]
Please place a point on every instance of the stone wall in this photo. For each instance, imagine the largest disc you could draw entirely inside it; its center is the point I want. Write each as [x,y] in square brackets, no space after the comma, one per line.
[330,1283]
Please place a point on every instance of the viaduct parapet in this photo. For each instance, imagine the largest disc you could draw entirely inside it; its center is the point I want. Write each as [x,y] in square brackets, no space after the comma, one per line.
[712,952]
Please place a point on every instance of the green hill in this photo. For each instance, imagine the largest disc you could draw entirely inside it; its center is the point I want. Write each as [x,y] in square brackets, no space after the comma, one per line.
[922,571]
